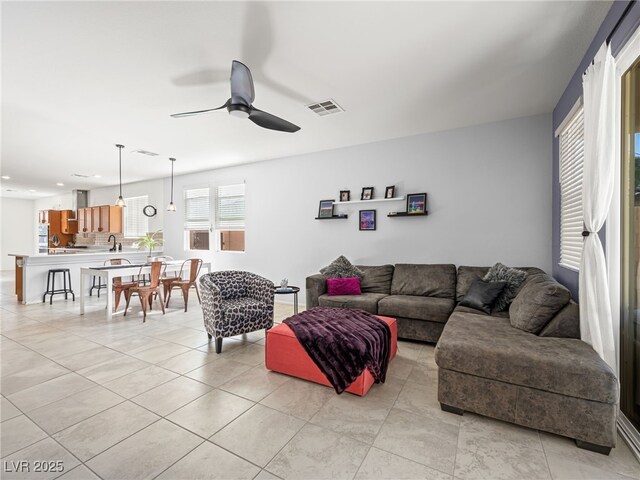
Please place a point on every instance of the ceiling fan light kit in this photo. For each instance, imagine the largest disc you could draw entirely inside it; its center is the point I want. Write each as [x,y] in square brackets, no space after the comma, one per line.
[171,207]
[240,104]
[120,201]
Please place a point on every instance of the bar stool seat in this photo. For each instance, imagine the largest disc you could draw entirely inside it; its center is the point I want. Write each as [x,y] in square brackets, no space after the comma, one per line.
[51,285]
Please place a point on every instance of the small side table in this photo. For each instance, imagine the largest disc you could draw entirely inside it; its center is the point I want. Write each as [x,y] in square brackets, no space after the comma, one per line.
[290,290]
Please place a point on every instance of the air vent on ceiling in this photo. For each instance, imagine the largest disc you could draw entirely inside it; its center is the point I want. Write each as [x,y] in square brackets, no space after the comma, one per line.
[80,175]
[327,107]
[145,152]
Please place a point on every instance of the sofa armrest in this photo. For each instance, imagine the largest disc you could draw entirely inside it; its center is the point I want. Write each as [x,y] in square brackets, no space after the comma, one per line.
[316,286]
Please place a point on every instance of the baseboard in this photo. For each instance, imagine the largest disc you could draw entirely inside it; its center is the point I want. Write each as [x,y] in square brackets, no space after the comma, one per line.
[629,434]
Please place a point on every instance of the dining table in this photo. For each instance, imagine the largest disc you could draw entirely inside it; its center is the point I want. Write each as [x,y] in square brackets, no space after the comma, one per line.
[108,272]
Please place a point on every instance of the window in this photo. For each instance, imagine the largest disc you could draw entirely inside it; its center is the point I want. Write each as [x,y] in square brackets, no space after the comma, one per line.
[196,218]
[230,217]
[136,224]
[571,163]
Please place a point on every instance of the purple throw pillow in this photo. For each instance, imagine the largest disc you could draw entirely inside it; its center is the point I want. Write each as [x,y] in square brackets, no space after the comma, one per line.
[343,286]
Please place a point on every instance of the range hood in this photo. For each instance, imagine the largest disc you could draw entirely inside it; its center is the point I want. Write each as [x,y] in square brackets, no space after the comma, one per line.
[79,199]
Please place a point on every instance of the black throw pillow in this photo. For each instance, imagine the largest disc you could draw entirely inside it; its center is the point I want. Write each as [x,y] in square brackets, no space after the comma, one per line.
[482,295]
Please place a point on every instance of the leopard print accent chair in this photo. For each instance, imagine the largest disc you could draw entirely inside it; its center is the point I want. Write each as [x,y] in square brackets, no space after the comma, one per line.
[235,302]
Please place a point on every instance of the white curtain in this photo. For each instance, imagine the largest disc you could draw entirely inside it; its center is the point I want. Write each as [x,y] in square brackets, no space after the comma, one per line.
[598,86]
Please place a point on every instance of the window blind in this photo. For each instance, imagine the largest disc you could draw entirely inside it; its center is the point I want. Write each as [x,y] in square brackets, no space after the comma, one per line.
[136,223]
[571,165]
[230,207]
[196,209]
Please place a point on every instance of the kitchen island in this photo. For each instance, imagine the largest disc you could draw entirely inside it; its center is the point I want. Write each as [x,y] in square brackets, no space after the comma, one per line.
[31,269]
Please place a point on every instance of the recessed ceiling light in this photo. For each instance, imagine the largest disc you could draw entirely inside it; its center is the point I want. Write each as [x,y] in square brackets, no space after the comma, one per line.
[60,184]
[32,191]
[97,176]
[6,177]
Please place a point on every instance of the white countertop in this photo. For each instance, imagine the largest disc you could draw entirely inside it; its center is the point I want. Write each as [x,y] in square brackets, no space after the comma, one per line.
[85,253]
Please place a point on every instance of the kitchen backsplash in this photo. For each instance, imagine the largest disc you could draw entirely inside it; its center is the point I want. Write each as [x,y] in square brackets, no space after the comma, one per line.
[88,239]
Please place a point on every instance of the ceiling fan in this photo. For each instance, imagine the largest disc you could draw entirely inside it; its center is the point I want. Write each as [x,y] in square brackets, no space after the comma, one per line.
[241,102]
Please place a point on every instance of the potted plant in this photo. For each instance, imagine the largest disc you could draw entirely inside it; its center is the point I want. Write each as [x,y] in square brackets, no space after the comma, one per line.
[150,241]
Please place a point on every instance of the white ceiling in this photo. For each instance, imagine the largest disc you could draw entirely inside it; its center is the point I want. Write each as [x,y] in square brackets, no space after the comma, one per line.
[78,78]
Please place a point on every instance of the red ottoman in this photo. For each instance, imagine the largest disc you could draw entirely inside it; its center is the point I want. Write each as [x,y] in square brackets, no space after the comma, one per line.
[284,354]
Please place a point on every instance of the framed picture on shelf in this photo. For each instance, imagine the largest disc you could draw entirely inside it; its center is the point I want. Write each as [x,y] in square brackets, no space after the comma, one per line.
[416,203]
[367,219]
[390,192]
[345,195]
[326,209]
[367,193]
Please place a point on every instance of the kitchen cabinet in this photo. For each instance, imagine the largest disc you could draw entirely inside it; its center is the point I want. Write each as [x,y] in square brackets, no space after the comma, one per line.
[68,224]
[43,216]
[84,220]
[101,219]
[107,219]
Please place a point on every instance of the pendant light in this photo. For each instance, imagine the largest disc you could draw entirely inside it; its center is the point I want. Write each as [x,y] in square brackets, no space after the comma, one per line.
[171,207]
[120,201]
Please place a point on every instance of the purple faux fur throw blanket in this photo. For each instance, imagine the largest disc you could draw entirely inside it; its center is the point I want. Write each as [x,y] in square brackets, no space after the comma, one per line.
[342,343]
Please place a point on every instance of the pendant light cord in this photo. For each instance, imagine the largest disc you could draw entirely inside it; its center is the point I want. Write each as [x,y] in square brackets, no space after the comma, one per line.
[172,162]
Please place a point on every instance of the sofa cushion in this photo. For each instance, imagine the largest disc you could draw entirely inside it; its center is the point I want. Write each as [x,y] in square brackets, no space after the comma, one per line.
[376,279]
[566,323]
[424,280]
[490,347]
[367,301]
[341,268]
[514,278]
[537,303]
[466,276]
[416,307]
[242,310]
[463,309]
[482,295]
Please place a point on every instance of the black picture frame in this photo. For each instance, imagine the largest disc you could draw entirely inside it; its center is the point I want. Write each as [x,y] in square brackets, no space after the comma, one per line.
[416,203]
[345,195]
[367,220]
[390,191]
[367,193]
[325,208]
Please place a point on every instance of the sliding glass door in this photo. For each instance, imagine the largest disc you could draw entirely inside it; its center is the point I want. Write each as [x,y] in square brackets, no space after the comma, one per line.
[630,327]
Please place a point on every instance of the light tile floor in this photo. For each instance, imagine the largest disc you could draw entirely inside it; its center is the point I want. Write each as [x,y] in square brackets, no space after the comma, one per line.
[124,400]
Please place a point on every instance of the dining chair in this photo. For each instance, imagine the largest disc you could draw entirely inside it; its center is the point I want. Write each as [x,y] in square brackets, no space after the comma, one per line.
[194,265]
[119,287]
[147,293]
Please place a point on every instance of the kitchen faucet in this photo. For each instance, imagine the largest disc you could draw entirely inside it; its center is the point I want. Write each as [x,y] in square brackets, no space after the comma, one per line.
[114,248]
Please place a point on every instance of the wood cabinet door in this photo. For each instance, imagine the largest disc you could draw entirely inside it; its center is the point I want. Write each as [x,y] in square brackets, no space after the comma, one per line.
[104,218]
[84,220]
[115,219]
[95,220]
[43,216]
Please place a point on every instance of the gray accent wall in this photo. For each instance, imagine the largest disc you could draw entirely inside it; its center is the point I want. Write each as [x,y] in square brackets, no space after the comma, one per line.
[489,200]
[568,99]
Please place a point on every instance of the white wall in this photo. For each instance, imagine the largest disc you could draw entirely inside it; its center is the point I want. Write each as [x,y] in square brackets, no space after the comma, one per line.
[489,200]
[18,233]
[153,188]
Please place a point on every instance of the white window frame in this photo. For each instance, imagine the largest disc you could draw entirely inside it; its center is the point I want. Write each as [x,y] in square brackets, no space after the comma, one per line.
[134,206]
[570,164]
[205,224]
[220,225]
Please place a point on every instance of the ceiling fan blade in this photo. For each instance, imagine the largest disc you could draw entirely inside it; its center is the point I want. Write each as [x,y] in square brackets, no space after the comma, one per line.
[198,112]
[266,120]
[241,84]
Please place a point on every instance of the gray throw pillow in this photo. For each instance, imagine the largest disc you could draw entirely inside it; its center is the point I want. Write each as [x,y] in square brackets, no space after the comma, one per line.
[341,268]
[513,277]
[537,303]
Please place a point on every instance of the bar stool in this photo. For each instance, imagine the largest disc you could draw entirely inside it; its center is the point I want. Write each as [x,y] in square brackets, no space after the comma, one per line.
[51,283]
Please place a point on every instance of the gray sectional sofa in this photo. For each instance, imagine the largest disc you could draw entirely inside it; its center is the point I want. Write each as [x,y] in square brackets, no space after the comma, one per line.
[548,380]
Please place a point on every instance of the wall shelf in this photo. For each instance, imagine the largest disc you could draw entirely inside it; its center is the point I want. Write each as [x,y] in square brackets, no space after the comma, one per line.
[334,217]
[405,214]
[394,199]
